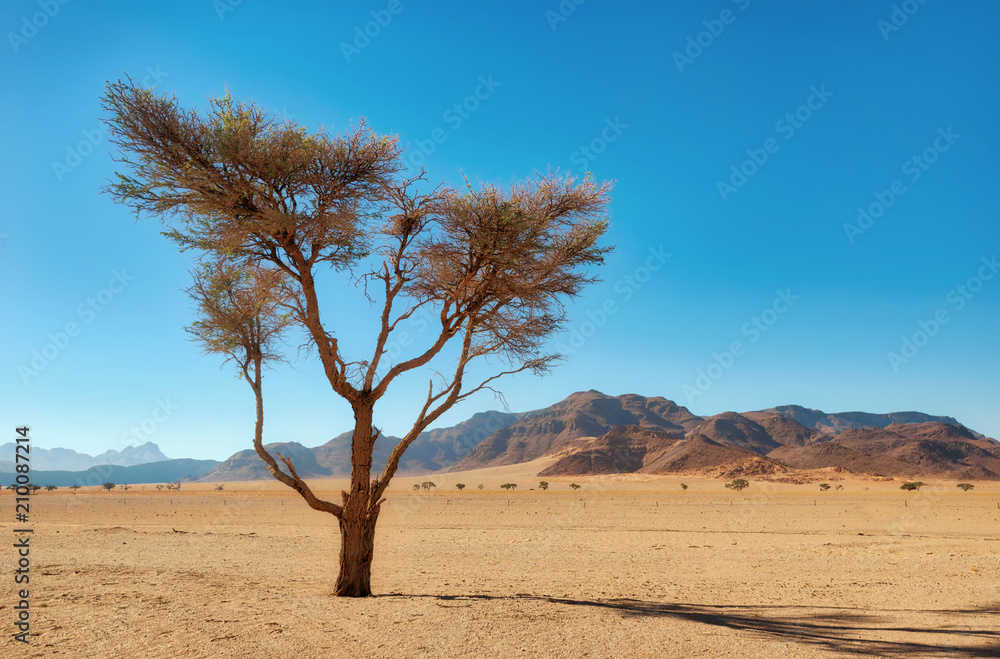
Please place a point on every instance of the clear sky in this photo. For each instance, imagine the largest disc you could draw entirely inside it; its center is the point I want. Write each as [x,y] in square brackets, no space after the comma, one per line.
[744,137]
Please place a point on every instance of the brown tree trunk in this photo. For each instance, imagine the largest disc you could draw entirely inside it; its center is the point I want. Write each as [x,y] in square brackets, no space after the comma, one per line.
[357,523]
[357,544]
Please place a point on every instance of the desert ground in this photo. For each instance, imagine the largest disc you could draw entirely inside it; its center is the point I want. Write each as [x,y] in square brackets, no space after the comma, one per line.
[627,566]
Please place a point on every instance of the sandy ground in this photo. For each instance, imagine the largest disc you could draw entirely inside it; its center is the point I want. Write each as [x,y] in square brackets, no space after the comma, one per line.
[624,567]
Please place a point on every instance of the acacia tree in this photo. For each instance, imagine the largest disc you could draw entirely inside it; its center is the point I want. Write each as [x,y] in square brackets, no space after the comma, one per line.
[268,206]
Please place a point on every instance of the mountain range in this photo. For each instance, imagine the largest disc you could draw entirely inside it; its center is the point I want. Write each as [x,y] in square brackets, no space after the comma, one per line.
[593,433]
[64,459]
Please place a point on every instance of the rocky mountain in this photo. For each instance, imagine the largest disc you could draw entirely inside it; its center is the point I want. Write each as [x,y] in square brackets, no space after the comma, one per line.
[584,414]
[248,466]
[63,459]
[834,424]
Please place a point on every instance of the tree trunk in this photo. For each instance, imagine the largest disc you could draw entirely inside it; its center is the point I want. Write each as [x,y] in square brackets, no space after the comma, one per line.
[357,543]
[357,523]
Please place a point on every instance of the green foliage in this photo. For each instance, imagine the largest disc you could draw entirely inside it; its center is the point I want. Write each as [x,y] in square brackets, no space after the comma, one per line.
[824,486]
[34,488]
[509,486]
[738,484]
[427,485]
[460,486]
[108,486]
[416,486]
[965,487]
[49,488]
[74,487]
[911,485]
[574,486]
[684,486]
[544,485]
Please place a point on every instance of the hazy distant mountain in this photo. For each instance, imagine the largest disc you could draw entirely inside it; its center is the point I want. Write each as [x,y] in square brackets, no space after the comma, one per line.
[63,459]
[152,472]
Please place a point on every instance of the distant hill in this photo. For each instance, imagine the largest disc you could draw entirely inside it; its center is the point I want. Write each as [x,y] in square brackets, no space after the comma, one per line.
[248,466]
[63,459]
[834,424]
[154,472]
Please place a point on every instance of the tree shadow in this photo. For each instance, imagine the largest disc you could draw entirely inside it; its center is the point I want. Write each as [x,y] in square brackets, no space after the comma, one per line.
[832,628]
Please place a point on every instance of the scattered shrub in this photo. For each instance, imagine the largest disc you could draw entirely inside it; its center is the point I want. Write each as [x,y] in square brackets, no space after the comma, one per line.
[218,488]
[574,486]
[49,488]
[684,486]
[460,486]
[427,485]
[824,486]
[480,486]
[966,486]
[509,486]
[911,485]
[544,485]
[738,484]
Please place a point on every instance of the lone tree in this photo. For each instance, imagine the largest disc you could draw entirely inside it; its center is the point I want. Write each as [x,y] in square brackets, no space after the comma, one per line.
[49,488]
[268,206]
[509,486]
[427,485]
[824,486]
[544,485]
[911,485]
[738,484]
[574,486]
[74,487]
[108,486]
[460,486]
[966,486]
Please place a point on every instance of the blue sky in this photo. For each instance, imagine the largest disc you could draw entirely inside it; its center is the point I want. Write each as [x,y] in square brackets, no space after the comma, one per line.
[728,290]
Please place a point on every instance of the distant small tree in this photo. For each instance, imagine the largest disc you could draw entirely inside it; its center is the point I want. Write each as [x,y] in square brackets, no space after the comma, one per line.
[509,486]
[684,486]
[74,487]
[219,487]
[416,486]
[544,485]
[12,486]
[966,486]
[824,486]
[574,486]
[34,488]
[49,488]
[839,487]
[108,486]
[126,487]
[427,485]
[911,485]
[480,486]
[160,486]
[460,486]
[738,484]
